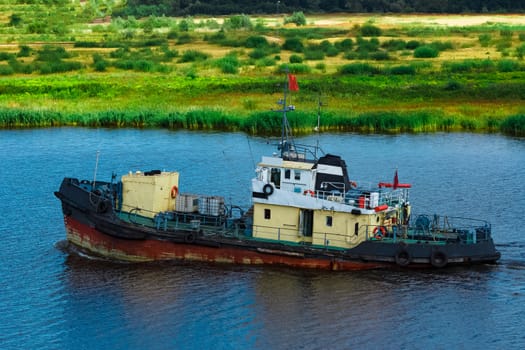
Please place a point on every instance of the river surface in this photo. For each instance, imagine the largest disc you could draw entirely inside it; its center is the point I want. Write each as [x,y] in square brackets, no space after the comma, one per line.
[54,298]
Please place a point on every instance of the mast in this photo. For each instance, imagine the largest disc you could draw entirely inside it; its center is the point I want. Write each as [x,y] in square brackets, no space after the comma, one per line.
[287,144]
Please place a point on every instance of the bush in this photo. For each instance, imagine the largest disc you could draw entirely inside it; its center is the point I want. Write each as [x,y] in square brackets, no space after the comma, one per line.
[359,68]
[402,70]
[413,44]
[99,63]
[344,45]
[256,41]
[6,70]
[520,51]
[296,59]
[5,56]
[508,66]
[192,56]
[293,44]
[380,56]
[314,55]
[394,45]
[370,30]
[485,39]
[229,64]
[51,53]
[297,17]
[265,62]
[426,51]
[238,22]
[58,67]
[25,51]
[294,68]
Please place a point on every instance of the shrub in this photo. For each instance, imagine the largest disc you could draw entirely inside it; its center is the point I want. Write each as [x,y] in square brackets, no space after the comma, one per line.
[485,39]
[293,44]
[394,45]
[321,66]
[413,44]
[184,38]
[294,68]
[344,45]
[359,68]
[452,85]
[258,53]
[364,45]
[370,30]
[6,69]
[51,53]
[58,67]
[442,45]
[402,70]
[426,51]
[265,62]
[508,66]
[380,56]
[5,56]
[256,41]
[297,17]
[229,64]
[520,51]
[238,22]
[313,54]
[296,59]
[25,51]
[192,56]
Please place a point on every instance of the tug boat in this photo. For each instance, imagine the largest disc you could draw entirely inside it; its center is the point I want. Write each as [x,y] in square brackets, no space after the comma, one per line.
[305,213]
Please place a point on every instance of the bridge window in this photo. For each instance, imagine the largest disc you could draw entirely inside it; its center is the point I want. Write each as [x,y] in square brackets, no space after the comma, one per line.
[329,221]
[287,174]
[267,214]
[297,175]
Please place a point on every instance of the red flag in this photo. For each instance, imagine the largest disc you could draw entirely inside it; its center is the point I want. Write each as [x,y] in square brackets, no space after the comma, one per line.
[292,83]
[396,181]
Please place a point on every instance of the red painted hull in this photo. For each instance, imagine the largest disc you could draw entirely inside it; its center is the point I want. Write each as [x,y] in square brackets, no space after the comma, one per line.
[153,250]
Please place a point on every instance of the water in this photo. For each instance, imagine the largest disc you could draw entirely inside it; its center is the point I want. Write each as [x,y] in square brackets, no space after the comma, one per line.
[54,298]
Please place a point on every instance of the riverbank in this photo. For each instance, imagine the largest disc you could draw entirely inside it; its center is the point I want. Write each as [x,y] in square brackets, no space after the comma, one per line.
[369,103]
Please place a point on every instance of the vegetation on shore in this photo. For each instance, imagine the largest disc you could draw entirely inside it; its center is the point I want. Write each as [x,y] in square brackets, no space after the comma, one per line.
[380,74]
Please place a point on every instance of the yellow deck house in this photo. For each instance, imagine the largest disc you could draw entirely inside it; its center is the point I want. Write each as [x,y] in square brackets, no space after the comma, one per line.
[150,192]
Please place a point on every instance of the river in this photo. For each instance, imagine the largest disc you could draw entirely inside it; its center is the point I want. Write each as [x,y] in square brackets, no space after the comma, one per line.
[55,298]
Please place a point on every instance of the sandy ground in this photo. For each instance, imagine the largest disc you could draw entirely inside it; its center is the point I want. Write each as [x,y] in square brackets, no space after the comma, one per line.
[423,19]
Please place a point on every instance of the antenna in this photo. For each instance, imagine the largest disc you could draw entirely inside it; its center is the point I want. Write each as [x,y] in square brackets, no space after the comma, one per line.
[318,127]
[96,168]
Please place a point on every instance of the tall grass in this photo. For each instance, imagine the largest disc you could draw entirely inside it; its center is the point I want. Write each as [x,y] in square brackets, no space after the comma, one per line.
[266,123]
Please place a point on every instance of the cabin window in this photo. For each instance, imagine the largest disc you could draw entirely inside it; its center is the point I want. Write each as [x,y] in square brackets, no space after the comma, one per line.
[267,214]
[329,221]
[297,175]
[356,229]
[287,174]
[275,177]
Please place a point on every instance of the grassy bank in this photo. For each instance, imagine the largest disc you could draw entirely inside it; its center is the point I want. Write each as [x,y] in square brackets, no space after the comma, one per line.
[266,123]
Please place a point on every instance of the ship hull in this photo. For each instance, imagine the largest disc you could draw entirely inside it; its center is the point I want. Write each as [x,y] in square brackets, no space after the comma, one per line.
[132,250]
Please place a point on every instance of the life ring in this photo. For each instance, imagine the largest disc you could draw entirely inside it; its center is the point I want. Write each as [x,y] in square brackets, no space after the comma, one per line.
[102,206]
[189,238]
[268,189]
[309,193]
[402,257]
[379,232]
[174,191]
[438,259]
[353,185]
